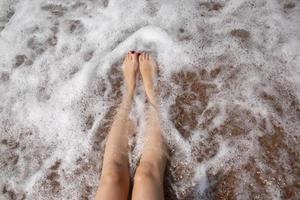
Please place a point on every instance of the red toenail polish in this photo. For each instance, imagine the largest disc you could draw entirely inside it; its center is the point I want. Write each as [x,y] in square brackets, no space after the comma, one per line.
[131,51]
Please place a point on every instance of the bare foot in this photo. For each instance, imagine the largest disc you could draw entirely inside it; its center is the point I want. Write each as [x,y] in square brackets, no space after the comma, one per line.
[148,71]
[130,68]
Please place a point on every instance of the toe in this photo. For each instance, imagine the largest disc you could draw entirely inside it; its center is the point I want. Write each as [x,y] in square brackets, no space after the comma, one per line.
[142,56]
[129,56]
[135,56]
[150,57]
[126,58]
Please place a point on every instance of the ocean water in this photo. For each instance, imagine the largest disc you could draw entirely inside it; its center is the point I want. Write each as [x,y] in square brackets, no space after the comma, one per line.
[229,88]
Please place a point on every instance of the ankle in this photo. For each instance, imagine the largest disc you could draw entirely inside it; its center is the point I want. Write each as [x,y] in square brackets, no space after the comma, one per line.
[127,99]
[151,96]
[128,94]
[153,103]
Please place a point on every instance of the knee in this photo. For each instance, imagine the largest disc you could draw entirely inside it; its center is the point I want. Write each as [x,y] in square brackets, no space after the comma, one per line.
[111,178]
[146,172]
[113,174]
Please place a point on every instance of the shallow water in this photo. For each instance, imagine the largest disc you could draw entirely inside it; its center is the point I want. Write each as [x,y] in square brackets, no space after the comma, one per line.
[228,82]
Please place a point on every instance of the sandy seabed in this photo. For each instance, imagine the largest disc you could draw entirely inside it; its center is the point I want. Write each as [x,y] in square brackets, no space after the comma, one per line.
[229,87]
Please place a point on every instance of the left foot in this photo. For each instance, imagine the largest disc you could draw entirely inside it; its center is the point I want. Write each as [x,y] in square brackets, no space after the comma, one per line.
[130,68]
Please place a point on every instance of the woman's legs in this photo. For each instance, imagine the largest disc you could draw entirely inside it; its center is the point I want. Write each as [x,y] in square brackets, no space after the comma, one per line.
[148,180]
[114,182]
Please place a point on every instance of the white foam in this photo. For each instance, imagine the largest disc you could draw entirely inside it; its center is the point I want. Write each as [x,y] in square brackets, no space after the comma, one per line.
[49,88]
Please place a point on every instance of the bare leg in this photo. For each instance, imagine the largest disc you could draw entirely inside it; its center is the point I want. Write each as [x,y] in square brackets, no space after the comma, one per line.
[115,179]
[148,180]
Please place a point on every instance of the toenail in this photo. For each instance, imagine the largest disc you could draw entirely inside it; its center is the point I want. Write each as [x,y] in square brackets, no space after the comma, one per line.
[131,51]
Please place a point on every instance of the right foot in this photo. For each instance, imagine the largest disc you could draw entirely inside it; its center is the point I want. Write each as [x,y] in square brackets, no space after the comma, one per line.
[148,71]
